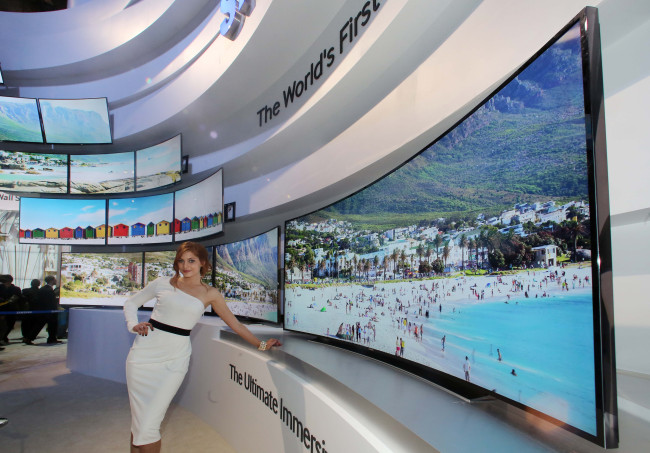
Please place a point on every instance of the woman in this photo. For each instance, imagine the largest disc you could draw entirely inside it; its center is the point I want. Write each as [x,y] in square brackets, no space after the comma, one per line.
[160,355]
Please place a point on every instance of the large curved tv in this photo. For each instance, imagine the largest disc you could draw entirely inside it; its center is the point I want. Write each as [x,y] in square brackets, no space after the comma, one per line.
[199,209]
[33,172]
[19,120]
[483,263]
[246,273]
[76,121]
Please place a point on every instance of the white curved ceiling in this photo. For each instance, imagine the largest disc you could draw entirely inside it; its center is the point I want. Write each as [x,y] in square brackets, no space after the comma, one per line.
[414,69]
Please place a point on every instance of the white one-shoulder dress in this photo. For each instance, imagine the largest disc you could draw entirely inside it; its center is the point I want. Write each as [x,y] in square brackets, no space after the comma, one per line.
[157,363]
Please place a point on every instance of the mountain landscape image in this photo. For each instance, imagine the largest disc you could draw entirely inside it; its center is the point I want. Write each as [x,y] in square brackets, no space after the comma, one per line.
[254,260]
[68,125]
[19,122]
[525,144]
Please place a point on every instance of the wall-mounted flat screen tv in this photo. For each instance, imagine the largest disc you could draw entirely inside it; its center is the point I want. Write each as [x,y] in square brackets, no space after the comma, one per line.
[33,172]
[102,173]
[19,120]
[104,279]
[76,121]
[141,220]
[199,209]
[62,221]
[159,165]
[474,263]
[246,273]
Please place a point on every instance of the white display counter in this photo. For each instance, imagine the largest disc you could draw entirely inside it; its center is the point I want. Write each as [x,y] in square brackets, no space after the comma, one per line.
[307,396]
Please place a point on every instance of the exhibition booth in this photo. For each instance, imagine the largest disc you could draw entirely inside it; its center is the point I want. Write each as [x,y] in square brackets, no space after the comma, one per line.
[438,207]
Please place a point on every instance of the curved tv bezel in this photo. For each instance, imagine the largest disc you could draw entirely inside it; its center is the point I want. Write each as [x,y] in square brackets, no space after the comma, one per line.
[40,121]
[67,174]
[602,292]
[72,157]
[278,279]
[43,125]
[180,170]
[178,239]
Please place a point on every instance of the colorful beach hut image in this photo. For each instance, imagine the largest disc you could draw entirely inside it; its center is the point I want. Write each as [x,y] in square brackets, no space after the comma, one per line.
[52,233]
[90,232]
[186,225]
[151,227]
[211,220]
[120,230]
[162,227]
[138,229]
[101,231]
[21,233]
[177,226]
[79,233]
[195,223]
[38,233]
[66,233]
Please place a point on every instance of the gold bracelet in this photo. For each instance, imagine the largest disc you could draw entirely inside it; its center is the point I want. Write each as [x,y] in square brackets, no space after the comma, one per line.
[262,346]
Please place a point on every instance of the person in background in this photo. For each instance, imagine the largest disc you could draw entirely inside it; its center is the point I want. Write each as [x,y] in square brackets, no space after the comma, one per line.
[160,355]
[46,300]
[10,298]
[30,295]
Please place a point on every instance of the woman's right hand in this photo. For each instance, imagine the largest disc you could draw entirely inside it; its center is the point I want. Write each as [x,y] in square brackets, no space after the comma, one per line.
[143,328]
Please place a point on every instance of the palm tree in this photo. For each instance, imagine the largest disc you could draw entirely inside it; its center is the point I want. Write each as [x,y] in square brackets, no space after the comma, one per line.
[292,265]
[394,257]
[402,259]
[471,246]
[420,251]
[384,265]
[437,241]
[445,253]
[366,267]
[463,243]
[375,264]
[428,253]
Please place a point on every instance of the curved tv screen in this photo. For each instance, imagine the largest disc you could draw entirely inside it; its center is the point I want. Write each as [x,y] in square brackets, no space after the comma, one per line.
[102,173]
[76,121]
[62,221]
[159,165]
[140,220]
[246,273]
[33,172]
[104,279]
[476,258]
[19,120]
[199,209]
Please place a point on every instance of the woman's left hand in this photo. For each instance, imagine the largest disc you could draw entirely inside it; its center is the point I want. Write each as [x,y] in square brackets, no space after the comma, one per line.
[271,342]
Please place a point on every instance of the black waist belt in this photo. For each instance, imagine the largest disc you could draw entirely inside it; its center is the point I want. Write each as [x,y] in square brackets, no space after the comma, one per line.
[168,328]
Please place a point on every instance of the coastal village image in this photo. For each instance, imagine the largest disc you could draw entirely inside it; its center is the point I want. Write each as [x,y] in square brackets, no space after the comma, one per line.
[474,257]
[32,172]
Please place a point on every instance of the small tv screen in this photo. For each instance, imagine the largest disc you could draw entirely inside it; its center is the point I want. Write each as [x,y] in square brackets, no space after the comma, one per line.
[19,120]
[475,261]
[246,273]
[62,221]
[33,172]
[159,165]
[102,173]
[100,279]
[140,220]
[199,209]
[76,121]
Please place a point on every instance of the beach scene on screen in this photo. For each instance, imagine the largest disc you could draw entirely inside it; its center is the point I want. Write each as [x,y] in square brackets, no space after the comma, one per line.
[159,165]
[33,172]
[473,258]
[83,121]
[141,220]
[62,221]
[101,173]
[199,209]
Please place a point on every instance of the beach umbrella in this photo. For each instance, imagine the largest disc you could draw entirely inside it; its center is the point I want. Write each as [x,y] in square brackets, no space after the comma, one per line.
[323,309]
